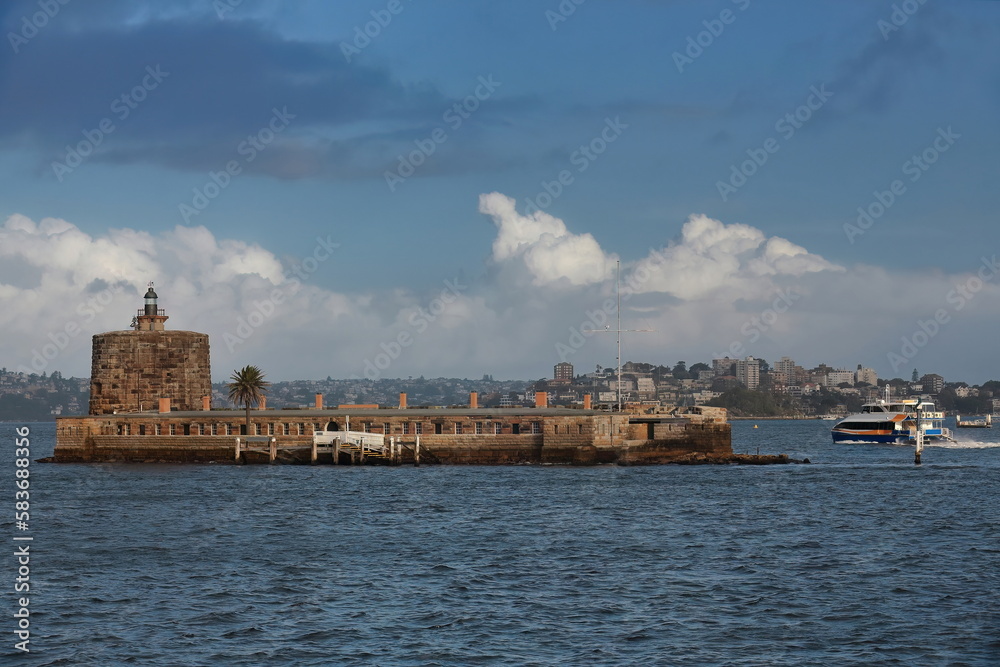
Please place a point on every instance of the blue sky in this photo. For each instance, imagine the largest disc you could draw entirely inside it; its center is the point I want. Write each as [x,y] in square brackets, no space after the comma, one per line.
[645,110]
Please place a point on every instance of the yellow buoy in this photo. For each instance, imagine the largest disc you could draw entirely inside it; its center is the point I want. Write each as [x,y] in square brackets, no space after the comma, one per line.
[755,426]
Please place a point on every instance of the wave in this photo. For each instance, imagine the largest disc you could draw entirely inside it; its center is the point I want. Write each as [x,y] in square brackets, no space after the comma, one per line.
[964,444]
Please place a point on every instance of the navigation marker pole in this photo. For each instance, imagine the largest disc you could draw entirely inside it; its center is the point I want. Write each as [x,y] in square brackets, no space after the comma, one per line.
[919,444]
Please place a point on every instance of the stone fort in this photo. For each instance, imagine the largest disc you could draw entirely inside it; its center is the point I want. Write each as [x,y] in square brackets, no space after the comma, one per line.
[132,370]
[151,401]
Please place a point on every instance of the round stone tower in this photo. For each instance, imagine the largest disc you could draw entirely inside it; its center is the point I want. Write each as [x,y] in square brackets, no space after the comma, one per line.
[132,370]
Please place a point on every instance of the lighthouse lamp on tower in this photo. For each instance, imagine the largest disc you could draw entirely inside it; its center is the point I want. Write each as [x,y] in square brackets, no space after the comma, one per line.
[150,318]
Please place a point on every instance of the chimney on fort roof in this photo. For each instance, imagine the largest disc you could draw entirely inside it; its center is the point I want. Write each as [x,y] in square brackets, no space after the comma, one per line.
[541,399]
[150,317]
[586,401]
[473,400]
[402,400]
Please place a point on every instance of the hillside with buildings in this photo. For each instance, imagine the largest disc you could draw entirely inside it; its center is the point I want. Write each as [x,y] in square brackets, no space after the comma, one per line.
[41,397]
[752,387]
[747,387]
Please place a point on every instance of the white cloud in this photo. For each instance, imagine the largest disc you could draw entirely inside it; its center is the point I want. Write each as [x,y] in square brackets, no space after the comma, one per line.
[701,293]
[729,261]
[549,251]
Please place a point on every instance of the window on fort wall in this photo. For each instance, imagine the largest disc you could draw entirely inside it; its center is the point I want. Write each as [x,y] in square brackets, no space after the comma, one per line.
[142,429]
[287,429]
[368,427]
[386,428]
[420,428]
[157,429]
[536,427]
[580,426]
[458,428]
[479,428]
[497,428]
[406,428]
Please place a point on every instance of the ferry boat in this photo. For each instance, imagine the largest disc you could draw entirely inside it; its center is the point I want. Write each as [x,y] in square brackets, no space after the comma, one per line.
[974,422]
[893,421]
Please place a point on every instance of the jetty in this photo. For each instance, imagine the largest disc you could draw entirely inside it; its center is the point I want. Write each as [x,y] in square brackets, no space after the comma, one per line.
[974,422]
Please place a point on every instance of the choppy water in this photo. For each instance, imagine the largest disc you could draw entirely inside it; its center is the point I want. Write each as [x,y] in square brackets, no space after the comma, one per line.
[860,557]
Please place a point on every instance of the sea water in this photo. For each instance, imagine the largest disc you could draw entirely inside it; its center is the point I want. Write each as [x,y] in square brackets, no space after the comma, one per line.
[860,557]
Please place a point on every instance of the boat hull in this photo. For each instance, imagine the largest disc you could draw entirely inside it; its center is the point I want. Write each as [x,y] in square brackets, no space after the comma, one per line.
[883,438]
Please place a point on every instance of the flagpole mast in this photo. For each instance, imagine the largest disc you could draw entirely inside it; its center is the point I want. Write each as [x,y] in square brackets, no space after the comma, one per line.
[619,331]
[618,307]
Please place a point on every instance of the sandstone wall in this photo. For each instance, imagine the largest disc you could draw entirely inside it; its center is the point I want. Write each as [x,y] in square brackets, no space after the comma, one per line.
[132,370]
[572,439]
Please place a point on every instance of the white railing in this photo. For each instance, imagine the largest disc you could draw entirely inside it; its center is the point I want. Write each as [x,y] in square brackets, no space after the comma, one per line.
[368,441]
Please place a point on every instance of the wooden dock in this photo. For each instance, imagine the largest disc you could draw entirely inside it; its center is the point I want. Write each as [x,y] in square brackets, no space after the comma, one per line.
[358,447]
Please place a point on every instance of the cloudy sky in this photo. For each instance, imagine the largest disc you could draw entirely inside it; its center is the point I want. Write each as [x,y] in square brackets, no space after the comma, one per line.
[444,188]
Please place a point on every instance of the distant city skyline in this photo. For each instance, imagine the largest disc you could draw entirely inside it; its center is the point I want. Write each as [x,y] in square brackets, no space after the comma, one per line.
[325,190]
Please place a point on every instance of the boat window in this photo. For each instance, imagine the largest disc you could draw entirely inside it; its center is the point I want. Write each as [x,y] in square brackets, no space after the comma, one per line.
[867,426]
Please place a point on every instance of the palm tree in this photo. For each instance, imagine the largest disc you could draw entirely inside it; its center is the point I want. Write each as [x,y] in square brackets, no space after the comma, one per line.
[247,388]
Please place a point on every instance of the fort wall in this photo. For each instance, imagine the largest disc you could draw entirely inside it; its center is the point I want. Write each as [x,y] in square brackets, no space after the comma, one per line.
[468,436]
[132,370]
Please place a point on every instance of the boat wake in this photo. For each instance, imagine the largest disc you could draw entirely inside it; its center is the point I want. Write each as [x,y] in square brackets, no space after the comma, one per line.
[963,444]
